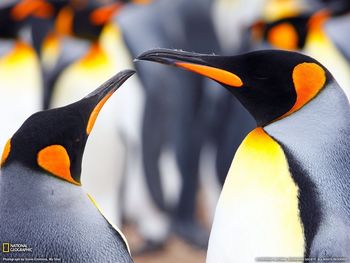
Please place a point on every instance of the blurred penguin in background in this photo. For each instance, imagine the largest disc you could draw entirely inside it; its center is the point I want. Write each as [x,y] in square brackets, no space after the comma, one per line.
[55,52]
[172,119]
[320,34]
[182,117]
[20,76]
[97,55]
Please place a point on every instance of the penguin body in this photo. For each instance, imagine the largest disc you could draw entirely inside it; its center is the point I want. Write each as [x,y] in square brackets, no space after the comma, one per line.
[257,189]
[57,220]
[44,205]
[270,172]
[287,191]
[326,190]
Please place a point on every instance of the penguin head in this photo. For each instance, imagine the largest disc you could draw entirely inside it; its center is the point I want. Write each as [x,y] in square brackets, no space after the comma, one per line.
[271,84]
[54,140]
[288,33]
[85,19]
[16,13]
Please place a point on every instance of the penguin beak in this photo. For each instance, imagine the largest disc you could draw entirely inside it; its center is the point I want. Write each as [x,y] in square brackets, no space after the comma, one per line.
[201,64]
[99,97]
[111,85]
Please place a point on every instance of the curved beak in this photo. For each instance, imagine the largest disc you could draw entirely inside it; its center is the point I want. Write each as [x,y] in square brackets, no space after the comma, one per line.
[206,65]
[99,96]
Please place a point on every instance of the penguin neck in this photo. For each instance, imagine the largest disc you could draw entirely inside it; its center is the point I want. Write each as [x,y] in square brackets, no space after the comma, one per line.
[22,183]
[316,142]
[328,113]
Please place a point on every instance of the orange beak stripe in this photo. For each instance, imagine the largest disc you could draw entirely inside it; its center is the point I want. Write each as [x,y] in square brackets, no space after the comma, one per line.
[55,159]
[95,112]
[102,15]
[6,152]
[220,75]
[25,8]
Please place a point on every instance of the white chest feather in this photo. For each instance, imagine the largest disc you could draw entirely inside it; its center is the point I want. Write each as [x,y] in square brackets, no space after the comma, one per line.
[257,214]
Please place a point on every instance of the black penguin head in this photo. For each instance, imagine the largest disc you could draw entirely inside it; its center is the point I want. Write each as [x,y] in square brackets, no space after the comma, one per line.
[86,19]
[286,33]
[271,84]
[54,140]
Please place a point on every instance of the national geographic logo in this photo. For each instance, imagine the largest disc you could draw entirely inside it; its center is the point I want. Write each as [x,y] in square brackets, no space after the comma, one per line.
[5,247]
[8,248]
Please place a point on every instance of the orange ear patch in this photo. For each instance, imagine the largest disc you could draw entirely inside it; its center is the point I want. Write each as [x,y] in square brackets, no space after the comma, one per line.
[55,160]
[6,152]
[103,14]
[95,112]
[308,79]
[283,36]
[38,8]
[317,21]
[217,74]
[64,21]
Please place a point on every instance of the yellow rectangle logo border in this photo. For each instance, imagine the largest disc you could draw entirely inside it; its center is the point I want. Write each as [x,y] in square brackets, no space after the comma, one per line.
[5,247]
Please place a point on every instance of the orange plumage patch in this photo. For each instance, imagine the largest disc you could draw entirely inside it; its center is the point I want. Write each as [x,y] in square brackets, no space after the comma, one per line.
[217,74]
[6,152]
[38,8]
[95,112]
[308,79]
[64,21]
[317,21]
[257,30]
[55,159]
[103,14]
[142,2]
[283,36]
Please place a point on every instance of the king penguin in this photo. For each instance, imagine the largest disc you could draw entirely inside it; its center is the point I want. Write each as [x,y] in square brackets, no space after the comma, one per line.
[287,193]
[43,205]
